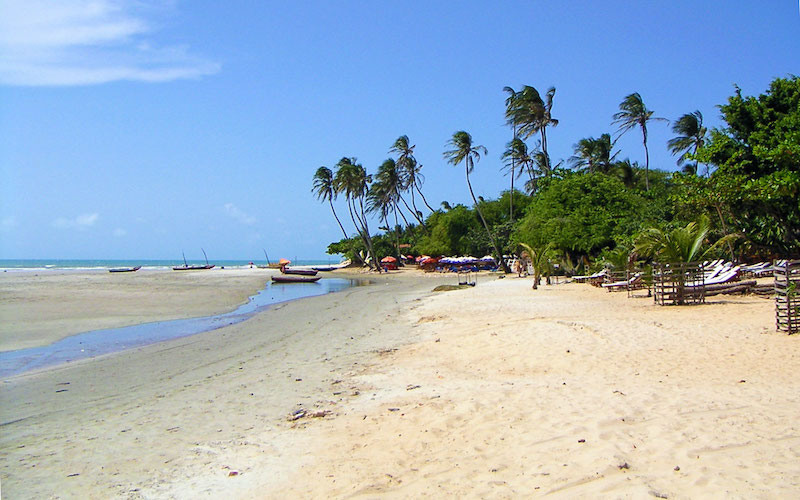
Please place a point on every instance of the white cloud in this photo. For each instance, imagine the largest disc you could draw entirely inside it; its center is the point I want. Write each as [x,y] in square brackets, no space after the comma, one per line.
[233,211]
[119,232]
[82,221]
[83,42]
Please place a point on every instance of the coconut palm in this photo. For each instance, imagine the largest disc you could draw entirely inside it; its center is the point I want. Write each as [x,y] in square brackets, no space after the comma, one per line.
[516,153]
[324,191]
[594,154]
[352,180]
[464,151]
[411,170]
[633,113]
[692,136]
[529,114]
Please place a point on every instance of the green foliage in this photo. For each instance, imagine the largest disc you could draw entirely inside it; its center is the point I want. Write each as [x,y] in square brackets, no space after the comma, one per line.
[756,185]
[582,214]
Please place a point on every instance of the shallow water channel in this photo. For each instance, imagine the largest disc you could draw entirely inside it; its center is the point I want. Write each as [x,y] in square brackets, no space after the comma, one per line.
[98,342]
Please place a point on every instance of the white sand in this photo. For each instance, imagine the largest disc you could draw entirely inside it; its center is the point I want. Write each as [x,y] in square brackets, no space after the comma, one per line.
[496,391]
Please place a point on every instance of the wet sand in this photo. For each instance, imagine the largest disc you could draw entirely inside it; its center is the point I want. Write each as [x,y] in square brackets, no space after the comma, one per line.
[492,391]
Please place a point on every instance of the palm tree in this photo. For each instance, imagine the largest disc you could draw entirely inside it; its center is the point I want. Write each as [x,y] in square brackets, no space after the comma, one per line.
[411,170]
[352,180]
[633,113]
[463,150]
[516,153]
[381,198]
[692,136]
[540,260]
[591,153]
[324,191]
[625,170]
[529,114]
[680,245]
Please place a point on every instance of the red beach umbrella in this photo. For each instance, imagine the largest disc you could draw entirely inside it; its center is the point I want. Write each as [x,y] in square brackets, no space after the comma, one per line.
[388,258]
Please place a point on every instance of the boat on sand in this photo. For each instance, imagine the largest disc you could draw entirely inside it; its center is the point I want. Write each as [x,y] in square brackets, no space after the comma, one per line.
[124,269]
[295,279]
[299,272]
[195,267]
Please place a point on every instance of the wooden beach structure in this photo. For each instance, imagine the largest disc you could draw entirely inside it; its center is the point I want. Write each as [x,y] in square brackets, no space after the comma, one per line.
[679,283]
[787,301]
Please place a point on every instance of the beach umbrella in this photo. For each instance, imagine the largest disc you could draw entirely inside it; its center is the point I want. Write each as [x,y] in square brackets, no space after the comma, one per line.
[283,262]
[388,258]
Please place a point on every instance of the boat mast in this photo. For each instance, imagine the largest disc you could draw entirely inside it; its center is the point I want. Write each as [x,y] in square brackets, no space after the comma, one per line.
[204,254]
[184,259]
[265,255]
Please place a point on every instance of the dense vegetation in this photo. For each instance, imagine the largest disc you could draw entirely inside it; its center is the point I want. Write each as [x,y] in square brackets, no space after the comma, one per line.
[742,180]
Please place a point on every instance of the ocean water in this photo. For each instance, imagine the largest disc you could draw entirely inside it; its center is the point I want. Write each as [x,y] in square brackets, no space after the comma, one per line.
[103,264]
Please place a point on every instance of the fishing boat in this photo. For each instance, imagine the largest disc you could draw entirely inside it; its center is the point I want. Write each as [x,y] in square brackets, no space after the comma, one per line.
[299,272]
[124,269]
[270,265]
[334,267]
[195,267]
[295,279]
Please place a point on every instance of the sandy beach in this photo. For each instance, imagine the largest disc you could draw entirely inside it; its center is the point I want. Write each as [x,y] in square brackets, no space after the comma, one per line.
[393,390]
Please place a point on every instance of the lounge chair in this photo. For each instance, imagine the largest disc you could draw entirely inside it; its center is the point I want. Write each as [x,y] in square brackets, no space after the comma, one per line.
[629,283]
[723,277]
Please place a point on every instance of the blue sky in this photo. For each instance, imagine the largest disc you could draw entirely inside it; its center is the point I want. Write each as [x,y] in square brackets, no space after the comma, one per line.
[137,129]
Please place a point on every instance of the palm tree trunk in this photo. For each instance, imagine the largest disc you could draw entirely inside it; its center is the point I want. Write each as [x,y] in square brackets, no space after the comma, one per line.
[413,203]
[416,215]
[485,225]
[544,147]
[396,231]
[367,235]
[646,160]
[337,218]
[513,171]
[423,198]
[358,230]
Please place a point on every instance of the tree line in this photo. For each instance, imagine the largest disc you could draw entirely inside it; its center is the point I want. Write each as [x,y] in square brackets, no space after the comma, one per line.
[744,178]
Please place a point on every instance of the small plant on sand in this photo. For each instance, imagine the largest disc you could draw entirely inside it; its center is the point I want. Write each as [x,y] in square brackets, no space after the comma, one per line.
[539,255]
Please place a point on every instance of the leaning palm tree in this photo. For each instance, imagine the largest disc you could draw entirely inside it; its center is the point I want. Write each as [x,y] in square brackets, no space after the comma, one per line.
[692,136]
[391,177]
[381,199]
[352,180]
[324,191]
[464,150]
[633,113]
[411,170]
[530,114]
[516,154]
